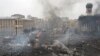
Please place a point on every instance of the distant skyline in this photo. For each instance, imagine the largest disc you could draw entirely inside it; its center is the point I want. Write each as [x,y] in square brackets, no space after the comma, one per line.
[25,7]
[36,8]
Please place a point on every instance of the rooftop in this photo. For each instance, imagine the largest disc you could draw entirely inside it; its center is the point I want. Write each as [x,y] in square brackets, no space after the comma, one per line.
[14,18]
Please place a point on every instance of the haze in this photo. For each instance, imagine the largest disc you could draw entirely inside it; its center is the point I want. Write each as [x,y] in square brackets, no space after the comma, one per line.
[25,7]
[69,8]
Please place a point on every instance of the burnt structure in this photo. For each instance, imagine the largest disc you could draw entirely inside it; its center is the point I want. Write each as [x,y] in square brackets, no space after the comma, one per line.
[89,26]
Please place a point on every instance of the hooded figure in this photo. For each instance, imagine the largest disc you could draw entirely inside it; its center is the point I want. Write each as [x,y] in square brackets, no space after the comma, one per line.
[89,7]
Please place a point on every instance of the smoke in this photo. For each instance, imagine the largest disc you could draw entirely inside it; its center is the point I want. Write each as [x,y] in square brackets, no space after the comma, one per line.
[66,8]
[16,45]
[20,40]
[53,9]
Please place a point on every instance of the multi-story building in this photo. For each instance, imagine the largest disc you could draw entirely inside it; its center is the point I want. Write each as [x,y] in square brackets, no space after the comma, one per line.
[13,26]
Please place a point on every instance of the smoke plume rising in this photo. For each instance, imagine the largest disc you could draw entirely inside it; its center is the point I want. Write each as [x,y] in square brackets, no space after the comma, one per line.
[66,8]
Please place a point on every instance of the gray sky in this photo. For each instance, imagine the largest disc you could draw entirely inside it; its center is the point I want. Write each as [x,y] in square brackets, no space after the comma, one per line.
[25,7]
[72,8]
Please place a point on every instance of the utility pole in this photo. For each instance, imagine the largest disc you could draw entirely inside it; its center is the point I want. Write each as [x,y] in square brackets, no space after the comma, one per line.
[16,23]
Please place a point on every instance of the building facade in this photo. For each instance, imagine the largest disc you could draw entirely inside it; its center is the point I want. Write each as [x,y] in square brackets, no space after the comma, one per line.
[10,26]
